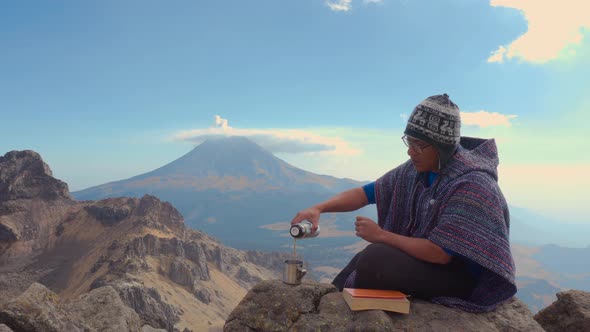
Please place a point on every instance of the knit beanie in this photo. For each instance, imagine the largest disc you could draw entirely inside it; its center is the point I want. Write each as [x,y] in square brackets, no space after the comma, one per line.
[437,121]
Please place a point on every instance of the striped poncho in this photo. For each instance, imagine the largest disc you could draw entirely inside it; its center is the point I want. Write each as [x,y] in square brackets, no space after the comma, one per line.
[463,211]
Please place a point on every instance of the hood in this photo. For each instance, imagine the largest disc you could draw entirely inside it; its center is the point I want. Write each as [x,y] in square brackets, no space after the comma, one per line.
[473,154]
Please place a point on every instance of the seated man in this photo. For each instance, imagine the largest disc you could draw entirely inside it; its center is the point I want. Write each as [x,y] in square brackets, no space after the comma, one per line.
[443,222]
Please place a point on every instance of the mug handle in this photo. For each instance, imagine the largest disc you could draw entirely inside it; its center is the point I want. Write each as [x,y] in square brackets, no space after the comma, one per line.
[301,272]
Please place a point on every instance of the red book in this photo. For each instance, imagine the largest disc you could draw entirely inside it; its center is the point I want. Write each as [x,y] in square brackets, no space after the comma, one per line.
[376,299]
[376,293]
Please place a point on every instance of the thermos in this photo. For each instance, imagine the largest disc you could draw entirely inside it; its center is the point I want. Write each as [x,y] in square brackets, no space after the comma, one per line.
[303,230]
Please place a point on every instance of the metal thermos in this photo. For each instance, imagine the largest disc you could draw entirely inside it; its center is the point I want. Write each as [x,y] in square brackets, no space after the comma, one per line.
[303,230]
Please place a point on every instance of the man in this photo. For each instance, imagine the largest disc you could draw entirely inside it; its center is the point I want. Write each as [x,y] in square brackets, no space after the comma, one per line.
[443,222]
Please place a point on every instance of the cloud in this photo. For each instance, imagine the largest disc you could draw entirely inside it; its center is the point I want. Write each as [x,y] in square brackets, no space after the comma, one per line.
[485,119]
[340,5]
[372,1]
[555,28]
[220,122]
[561,194]
[274,140]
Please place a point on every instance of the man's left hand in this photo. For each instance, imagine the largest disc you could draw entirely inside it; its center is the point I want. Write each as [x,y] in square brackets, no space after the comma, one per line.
[368,230]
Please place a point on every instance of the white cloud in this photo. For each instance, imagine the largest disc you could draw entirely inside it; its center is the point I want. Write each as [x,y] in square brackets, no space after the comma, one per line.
[554,29]
[274,140]
[561,194]
[340,5]
[221,122]
[485,119]
[373,1]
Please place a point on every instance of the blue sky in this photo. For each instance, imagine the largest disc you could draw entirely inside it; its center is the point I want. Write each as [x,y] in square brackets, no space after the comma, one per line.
[105,90]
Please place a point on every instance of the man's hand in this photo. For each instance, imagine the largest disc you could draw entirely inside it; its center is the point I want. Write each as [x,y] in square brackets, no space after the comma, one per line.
[312,215]
[368,230]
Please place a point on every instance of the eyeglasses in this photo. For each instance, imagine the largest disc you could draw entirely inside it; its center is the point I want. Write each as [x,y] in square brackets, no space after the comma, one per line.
[412,143]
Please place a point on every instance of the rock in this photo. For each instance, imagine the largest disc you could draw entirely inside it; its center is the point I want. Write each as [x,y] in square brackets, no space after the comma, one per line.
[8,234]
[275,306]
[38,309]
[156,212]
[203,294]
[246,276]
[195,253]
[147,328]
[182,273]
[103,310]
[571,312]
[23,174]
[111,211]
[148,303]
[221,258]
[4,328]
[272,261]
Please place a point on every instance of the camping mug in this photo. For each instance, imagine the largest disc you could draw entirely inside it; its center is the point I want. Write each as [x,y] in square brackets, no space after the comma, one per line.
[293,272]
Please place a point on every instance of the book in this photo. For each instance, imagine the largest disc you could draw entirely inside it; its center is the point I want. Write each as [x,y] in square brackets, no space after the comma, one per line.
[376,299]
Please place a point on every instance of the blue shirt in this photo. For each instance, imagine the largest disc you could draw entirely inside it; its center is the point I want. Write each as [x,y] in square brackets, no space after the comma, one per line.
[370,192]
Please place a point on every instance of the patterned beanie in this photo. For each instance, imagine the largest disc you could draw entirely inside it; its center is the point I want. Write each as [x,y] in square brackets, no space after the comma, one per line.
[437,120]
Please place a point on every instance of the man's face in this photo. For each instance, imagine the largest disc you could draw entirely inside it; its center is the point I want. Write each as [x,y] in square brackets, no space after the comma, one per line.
[423,155]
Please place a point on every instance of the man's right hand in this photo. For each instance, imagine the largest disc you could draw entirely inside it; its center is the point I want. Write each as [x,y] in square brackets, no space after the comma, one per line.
[311,214]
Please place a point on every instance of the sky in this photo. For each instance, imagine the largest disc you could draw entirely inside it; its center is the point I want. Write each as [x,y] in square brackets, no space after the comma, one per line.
[105,90]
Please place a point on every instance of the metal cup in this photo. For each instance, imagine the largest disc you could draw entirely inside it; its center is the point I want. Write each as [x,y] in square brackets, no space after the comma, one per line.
[293,272]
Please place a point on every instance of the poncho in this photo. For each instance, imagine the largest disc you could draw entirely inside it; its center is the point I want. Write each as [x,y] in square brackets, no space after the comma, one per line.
[463,211]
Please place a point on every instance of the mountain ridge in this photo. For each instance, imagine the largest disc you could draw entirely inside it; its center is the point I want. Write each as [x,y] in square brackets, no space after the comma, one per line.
[163,270]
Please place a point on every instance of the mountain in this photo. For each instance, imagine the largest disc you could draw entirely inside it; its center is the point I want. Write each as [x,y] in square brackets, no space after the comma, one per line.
[235,190]
[536,293]
[530,228]
[139,249]
[223,164]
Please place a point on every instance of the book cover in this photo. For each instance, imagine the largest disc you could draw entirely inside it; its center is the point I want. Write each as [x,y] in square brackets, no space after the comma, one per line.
[377,293]
[374,299]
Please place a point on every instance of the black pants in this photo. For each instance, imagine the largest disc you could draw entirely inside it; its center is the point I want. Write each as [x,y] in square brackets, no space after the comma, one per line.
[380,266]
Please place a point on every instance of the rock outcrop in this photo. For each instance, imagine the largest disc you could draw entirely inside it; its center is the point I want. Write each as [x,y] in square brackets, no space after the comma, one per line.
[23,174]
[40,310]
[571,312]
[4,328]
[148,304]
[275,306]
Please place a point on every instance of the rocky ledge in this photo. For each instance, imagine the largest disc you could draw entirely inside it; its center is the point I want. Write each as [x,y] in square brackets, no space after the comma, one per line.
[274,306]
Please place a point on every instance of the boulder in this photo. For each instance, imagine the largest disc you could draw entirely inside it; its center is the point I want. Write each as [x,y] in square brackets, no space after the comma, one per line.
[571,312]
[275,306]
[4,328]
[103,310]
[148,303]
[38,309]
